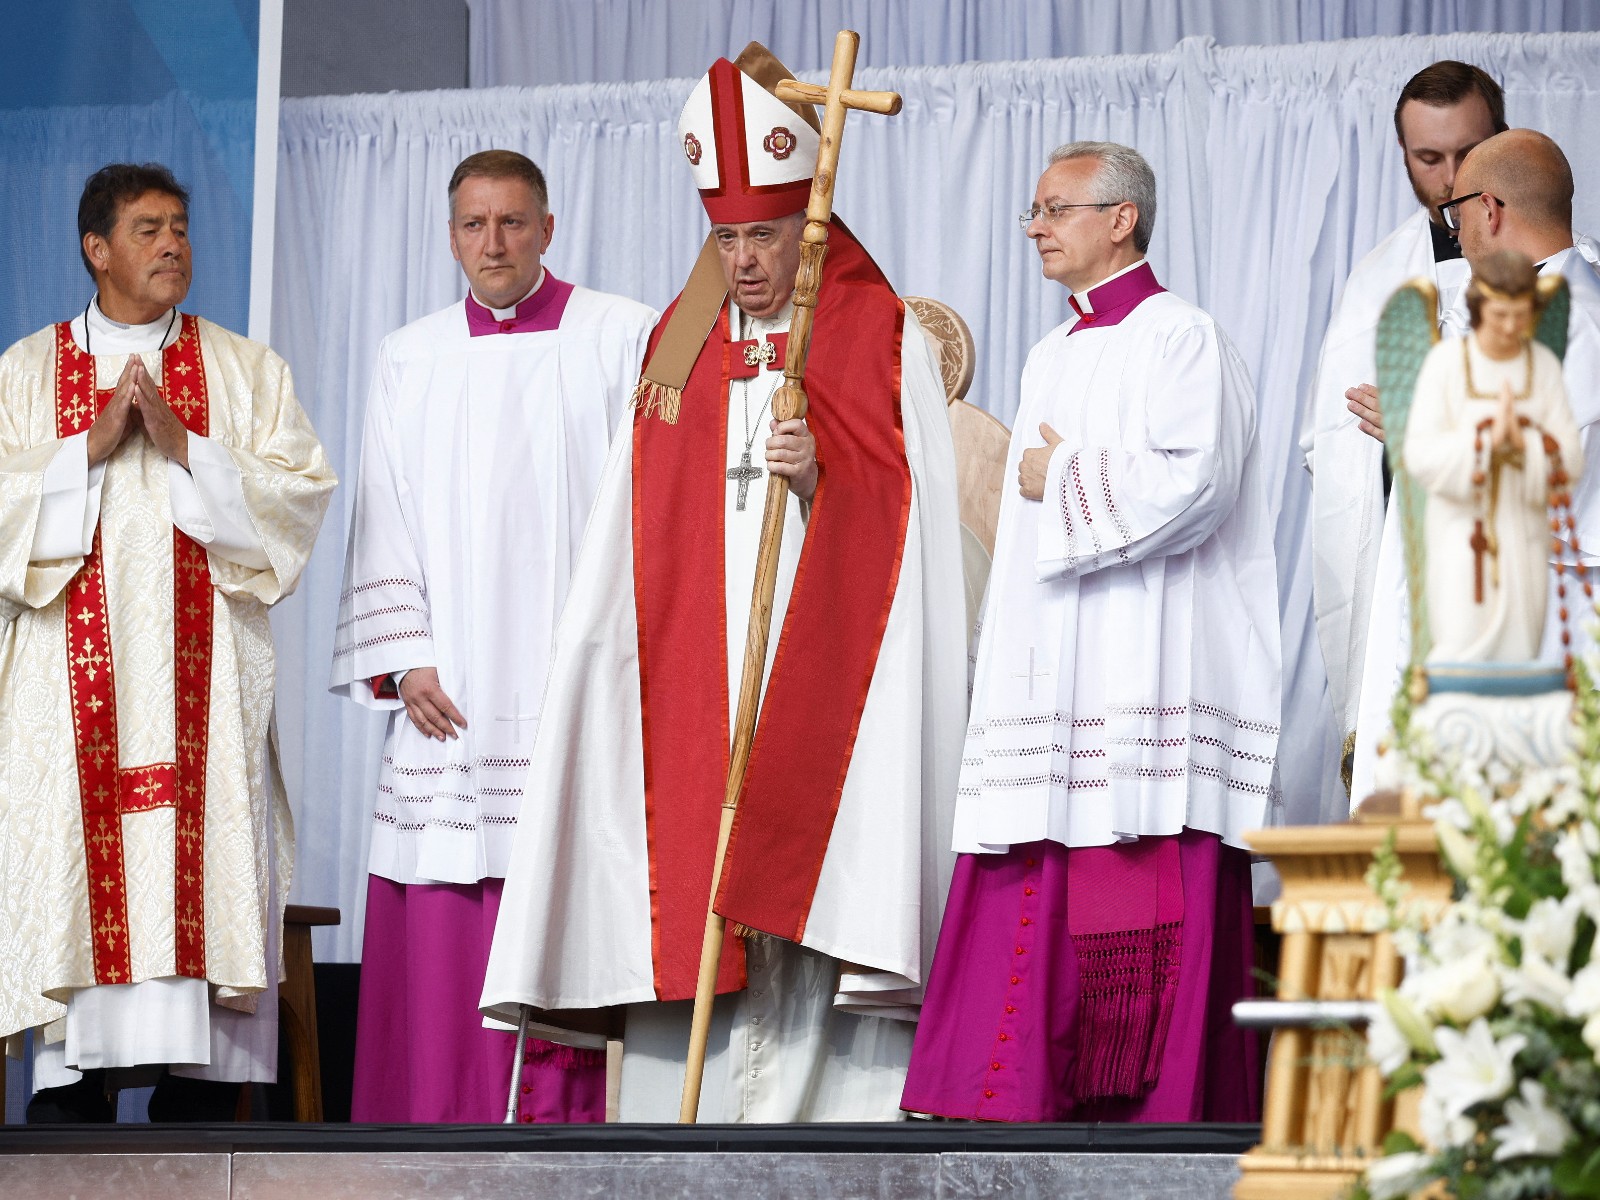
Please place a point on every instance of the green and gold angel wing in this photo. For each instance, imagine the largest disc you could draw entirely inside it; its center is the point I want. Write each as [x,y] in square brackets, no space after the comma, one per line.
[1555,302]
[1407,330]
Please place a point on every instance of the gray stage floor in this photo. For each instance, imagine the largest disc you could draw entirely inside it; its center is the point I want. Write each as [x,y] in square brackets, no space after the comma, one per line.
[912,1159]
[636,1176]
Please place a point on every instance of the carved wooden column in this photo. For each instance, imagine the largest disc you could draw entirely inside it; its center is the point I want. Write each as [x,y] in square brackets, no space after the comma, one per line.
[1325,1115]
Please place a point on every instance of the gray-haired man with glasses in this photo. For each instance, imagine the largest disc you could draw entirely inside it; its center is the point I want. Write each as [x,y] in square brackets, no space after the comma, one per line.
[1125,707]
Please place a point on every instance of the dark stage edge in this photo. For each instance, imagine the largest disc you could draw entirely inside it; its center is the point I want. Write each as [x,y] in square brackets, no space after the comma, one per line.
[909,1137]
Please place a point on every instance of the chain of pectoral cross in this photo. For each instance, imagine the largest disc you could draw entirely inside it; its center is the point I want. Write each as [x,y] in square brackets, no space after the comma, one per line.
[746,472]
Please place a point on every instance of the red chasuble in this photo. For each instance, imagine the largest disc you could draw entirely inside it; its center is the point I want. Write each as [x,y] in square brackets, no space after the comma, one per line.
[828,647]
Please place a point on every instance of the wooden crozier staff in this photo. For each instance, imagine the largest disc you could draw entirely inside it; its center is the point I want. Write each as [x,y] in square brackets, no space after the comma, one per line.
[788,403]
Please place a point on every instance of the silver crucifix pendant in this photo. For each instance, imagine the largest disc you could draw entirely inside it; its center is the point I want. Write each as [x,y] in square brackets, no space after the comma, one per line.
[744,473]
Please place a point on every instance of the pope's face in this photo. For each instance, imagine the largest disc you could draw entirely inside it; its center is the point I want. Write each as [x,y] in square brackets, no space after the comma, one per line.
[759,261]
[1503,325]
[143,268]
[498,231]
[1436,139]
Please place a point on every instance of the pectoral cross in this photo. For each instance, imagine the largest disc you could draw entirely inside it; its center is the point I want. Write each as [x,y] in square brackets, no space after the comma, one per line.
[516,719]
[1032,673]
[744,473]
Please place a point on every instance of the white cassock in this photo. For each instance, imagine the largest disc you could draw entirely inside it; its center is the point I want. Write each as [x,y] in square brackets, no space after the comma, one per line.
[252,498]
[480,460]
[1388,646]
[1128,679]
[1347,501]
[803,1042]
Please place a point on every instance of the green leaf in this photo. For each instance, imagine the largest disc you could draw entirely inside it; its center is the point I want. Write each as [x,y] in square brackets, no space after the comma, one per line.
[1577,1174]
[1408,1076]
[1399,1142]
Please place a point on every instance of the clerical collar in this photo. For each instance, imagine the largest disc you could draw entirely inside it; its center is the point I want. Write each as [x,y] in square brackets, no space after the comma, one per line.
[537,312]
[99,334]
[742,325]
[1114,297]
[1445,246]
[1556,263]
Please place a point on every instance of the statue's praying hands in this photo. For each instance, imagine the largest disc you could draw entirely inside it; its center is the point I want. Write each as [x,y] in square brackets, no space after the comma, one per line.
[1505,434]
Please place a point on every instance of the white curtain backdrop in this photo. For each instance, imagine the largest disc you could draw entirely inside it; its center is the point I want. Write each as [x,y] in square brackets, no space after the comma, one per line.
[1277,169]
[523,43]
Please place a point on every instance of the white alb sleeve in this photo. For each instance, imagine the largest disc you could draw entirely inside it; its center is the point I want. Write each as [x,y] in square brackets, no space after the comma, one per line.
[70,507]
[208,504]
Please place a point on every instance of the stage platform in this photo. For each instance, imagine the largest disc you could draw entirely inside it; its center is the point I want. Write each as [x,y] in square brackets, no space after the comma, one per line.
[913,1160]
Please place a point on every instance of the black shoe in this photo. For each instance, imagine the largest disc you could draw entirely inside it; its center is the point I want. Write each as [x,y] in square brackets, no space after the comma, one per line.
[179,1098]
[81,1103]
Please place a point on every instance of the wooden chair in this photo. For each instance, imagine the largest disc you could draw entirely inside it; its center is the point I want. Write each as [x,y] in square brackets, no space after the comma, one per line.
[297,1006]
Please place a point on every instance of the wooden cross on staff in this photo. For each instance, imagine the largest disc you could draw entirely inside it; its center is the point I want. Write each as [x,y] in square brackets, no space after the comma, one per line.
[788,403]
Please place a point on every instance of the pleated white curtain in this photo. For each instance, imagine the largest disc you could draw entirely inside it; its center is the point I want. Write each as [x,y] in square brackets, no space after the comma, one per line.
[1277,168]
[515,42]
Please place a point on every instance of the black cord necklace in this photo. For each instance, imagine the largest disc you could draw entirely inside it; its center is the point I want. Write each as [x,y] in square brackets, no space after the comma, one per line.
[171,321]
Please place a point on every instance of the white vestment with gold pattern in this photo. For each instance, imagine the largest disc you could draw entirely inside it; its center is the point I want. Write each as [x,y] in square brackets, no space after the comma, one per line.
[251,501]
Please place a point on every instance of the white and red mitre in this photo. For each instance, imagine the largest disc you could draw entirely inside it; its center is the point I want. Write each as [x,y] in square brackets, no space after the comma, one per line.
[751,154]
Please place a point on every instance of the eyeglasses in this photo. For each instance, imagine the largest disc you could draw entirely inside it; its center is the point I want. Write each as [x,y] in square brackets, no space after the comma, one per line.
[1450,210]
[1051,213]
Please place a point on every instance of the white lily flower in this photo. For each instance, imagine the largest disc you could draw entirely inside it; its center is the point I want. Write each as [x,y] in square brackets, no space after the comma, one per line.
[1448,811]
[1584,998]
[1459,989]
[1472,1066]
[1577,864]
[1538,981]
[1591,1035]
[1440,1126]
[1532,1126]
[1549,929]
[1408,1021]
[1386,1044]
[1398,1175]
[1460,932]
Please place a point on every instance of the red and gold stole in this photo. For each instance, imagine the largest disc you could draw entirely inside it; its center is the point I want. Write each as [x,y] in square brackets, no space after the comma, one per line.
[107,790]
[828,647]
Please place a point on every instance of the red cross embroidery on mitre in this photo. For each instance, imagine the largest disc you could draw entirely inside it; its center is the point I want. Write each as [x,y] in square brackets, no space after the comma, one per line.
[747,357]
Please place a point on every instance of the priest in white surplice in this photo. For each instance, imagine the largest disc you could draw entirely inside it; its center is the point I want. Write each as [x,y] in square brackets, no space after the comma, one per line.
[1124,725]
[837,856]
[1444,110]
[160,488]
[486,431]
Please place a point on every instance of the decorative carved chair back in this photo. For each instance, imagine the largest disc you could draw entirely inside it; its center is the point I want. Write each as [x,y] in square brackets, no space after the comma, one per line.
[981,440]
[952,340]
